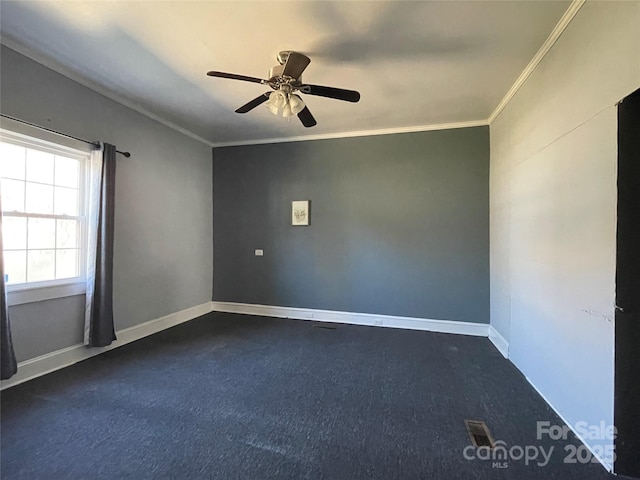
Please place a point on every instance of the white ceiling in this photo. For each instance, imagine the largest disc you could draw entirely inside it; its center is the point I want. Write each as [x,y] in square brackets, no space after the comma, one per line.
[415,63]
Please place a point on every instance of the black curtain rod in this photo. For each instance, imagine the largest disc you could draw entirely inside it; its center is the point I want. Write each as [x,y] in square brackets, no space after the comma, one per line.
[95,144]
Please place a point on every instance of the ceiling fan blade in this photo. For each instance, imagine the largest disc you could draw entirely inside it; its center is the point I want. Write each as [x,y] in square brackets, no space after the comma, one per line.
[306,118]
[331,92]
[296,63]
[254,103]
[233,76]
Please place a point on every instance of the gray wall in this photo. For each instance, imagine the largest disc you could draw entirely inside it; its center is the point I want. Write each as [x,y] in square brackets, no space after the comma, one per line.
[163,229]
[399,224]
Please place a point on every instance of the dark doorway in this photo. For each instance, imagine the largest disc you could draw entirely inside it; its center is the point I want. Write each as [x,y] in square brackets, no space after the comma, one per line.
[627,342]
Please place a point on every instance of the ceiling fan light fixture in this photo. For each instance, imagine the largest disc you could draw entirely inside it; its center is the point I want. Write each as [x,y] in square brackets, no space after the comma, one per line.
[284,104]
[277,101]
[296,103]
[286,111]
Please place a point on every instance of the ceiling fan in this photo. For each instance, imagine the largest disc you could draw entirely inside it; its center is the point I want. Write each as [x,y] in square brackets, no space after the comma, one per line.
[286,79]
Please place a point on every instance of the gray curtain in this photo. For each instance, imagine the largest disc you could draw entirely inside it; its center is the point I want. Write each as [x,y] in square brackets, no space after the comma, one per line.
[101,331]
[8,363]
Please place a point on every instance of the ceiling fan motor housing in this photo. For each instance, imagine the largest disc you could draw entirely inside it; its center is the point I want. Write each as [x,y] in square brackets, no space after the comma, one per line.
[277,81]
[275,72]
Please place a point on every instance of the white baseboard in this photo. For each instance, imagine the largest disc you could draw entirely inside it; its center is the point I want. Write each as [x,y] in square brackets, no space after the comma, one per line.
[608,466]
[499,341]
[50,362]
[442,326]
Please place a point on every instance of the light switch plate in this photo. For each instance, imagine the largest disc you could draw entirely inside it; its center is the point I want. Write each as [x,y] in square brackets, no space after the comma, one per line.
[259,252]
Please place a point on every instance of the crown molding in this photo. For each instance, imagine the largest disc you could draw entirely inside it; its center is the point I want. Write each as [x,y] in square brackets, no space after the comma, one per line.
[357,133]
[544,49]
[70,74]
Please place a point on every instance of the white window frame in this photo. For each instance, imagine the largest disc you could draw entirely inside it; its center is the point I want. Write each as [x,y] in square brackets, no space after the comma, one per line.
[32,137]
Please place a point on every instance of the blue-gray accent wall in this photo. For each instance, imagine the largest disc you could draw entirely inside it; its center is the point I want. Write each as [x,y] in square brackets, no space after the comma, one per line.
[399,224]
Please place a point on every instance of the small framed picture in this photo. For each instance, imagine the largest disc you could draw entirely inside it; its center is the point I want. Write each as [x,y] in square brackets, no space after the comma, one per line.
[300,212]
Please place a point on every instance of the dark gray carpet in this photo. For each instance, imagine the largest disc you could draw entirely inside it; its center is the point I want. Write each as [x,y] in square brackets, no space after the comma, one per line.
[238,397]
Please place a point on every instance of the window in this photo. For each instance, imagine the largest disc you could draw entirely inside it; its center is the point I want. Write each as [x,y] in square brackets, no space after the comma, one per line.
[43,187]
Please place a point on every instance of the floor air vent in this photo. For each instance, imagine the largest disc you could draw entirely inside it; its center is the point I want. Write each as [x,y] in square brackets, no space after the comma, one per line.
[327,327]
[479,433]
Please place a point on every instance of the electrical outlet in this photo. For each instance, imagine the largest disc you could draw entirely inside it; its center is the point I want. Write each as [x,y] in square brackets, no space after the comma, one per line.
[259,252]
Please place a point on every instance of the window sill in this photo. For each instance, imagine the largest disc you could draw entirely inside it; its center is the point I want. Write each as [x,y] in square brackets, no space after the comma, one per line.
[30,294]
